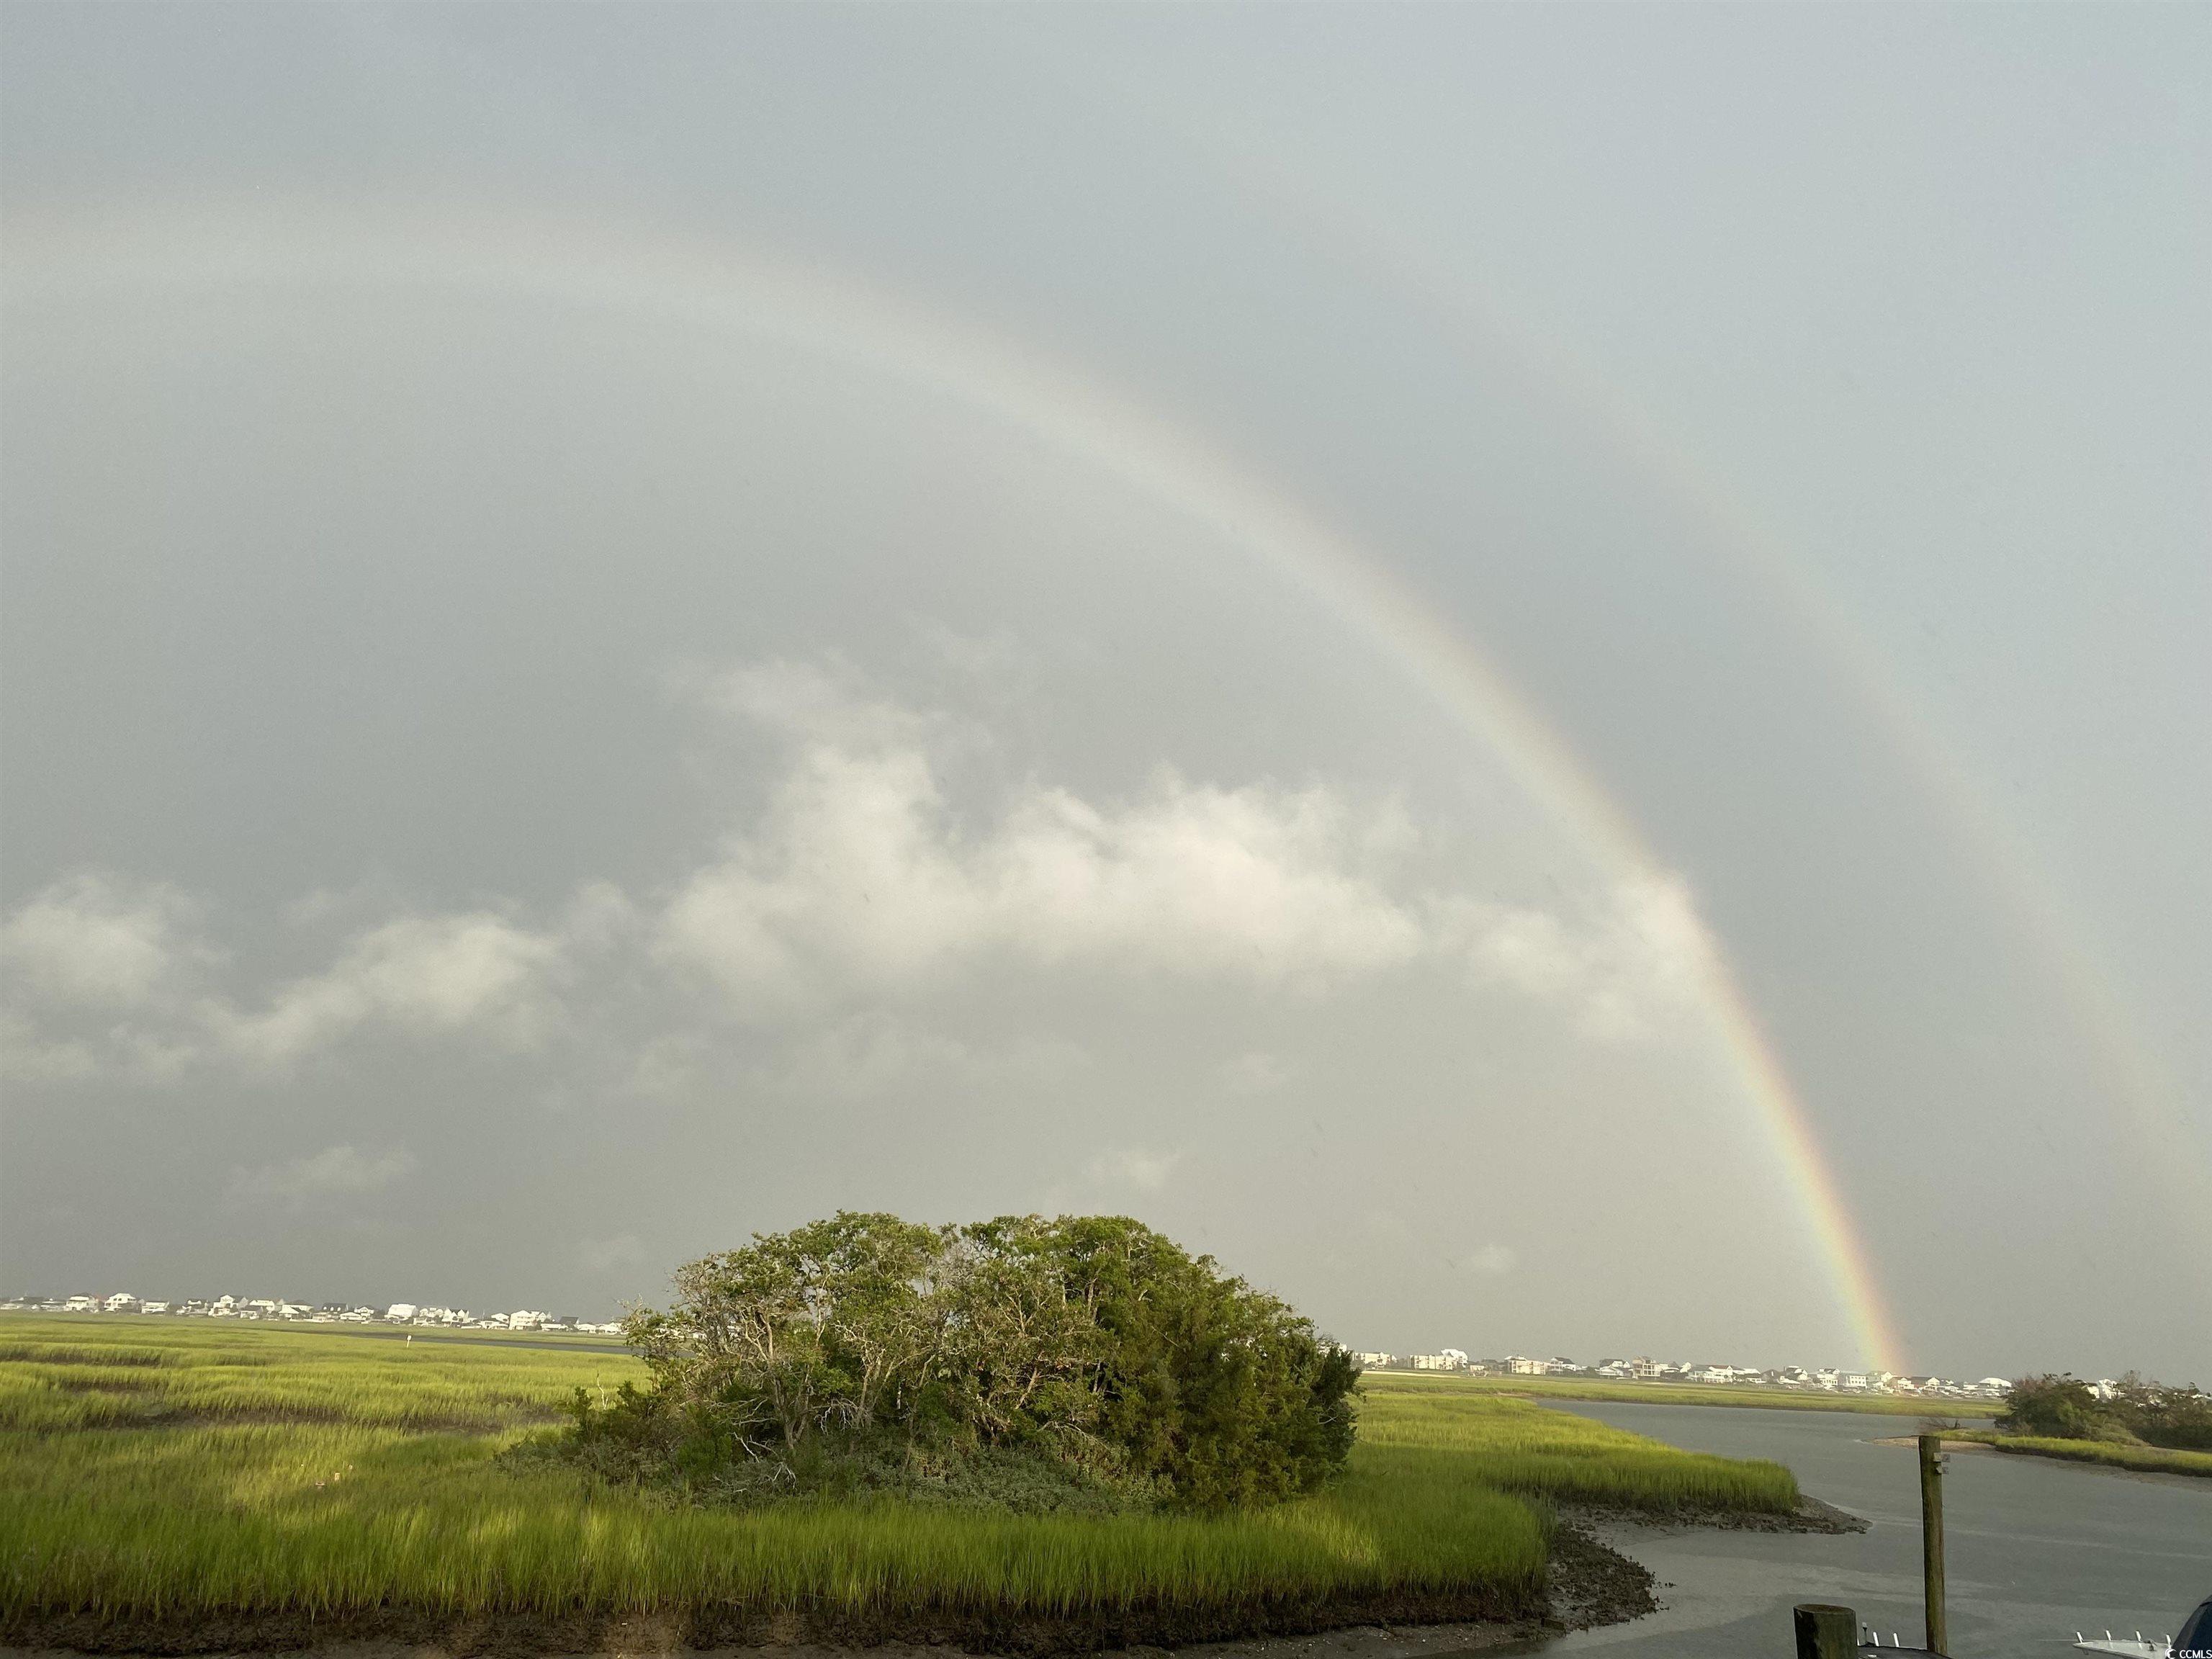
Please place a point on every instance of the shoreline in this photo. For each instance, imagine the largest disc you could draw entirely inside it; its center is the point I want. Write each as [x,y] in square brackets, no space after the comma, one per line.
[2154,1465]
[1540,1390]
[1590,1582]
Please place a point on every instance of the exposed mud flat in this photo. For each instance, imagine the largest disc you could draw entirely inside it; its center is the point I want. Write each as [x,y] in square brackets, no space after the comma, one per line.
[1399,1627]
[1811,1515]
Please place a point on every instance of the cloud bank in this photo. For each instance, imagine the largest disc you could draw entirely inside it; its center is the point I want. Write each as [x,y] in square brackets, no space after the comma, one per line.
[864,883]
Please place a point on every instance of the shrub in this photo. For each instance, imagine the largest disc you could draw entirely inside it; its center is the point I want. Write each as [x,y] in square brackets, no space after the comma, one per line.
[1068,1360]
[2058,1407]
[2067,1408]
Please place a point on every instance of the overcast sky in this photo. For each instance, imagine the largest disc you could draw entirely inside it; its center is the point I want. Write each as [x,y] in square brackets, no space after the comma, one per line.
[627,625]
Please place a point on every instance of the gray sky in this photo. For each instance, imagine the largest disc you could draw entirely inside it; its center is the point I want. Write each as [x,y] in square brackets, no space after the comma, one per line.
[628,625]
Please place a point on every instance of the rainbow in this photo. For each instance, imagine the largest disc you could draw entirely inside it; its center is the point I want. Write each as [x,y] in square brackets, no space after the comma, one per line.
[2144,1087]
[720,289]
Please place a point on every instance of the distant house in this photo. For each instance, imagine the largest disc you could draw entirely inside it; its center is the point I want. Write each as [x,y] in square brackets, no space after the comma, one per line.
[1722,1373]
[121,1302]
[400,1312]
[1374,1361]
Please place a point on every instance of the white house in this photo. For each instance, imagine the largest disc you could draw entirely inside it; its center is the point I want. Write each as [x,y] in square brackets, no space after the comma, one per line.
[1450,1359]
[399,1313]
[121,1302]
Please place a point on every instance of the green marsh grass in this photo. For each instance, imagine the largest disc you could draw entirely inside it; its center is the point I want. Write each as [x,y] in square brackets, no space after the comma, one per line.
[2117,1455]
[1517,1446]
[184,1467]
[1689,1394]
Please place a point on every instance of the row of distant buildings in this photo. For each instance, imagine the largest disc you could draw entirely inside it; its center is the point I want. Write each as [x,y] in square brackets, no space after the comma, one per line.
[1641,1369]
[1646,1370]
[325,1313]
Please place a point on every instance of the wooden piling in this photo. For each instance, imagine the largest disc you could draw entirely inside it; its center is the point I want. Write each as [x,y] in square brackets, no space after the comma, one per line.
[1825,1631]
[1931,1539]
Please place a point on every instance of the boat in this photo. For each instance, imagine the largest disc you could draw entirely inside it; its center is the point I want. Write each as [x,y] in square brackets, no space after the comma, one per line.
[2195,1641]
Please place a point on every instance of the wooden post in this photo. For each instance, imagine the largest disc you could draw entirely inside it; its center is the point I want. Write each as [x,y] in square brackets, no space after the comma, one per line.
[1824,1632]
[1931,1539]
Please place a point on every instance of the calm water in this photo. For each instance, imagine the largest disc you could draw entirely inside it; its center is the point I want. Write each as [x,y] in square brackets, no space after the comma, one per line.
[2035,1550]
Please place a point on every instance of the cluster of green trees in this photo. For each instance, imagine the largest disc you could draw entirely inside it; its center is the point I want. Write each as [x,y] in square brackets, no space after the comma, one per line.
[1092,1345]
[2065,1408]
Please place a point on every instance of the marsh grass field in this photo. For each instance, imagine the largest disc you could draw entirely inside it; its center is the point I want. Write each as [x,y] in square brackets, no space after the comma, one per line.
[2139,1459]
[217,1485]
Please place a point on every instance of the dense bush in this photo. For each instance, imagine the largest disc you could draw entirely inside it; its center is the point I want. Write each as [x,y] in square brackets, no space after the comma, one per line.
[1083,1362]
[2067,1408]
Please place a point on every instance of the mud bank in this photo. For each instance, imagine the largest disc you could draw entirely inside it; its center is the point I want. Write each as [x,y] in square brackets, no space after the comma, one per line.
[913,1633]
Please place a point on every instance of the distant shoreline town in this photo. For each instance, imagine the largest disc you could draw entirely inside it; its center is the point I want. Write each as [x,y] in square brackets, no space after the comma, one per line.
[416,1315]
[1824,1380]
[301,1313]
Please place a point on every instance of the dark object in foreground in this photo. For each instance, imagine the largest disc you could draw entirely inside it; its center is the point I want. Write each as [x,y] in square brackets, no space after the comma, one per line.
[1931,1541]
[1826,1630]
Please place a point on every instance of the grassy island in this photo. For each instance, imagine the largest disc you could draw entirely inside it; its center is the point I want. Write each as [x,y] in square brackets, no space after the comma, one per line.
[190,1484]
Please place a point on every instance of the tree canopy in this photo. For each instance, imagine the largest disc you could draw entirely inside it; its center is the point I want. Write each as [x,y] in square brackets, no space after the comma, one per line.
[2065,1408]
[1092,1344]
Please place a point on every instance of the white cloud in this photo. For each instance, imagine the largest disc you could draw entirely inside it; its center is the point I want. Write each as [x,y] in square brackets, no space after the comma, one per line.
[335,1171]
[1133,1167]
[95,940]
[422,973]
[857,890]
[861,878]
[103,981]
[1632,969]
[819,702]
[34,1057]
[1491,1261]
[861,875]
